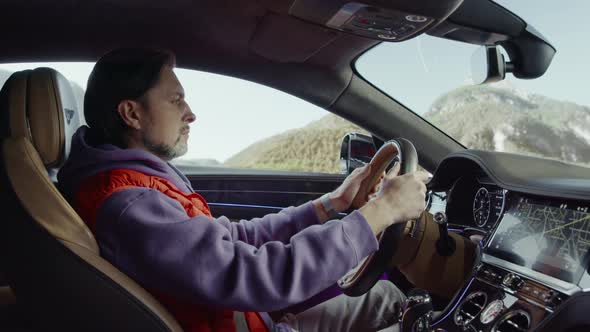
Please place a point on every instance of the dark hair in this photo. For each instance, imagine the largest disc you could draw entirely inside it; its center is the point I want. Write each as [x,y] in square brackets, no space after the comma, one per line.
[126,73]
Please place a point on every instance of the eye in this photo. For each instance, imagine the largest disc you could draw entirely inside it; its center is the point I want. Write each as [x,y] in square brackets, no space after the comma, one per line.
[177,100]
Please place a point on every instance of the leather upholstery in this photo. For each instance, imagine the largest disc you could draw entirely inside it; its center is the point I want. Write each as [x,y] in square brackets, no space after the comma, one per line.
[42,116]
[43,109]
[6,296]
[45,204]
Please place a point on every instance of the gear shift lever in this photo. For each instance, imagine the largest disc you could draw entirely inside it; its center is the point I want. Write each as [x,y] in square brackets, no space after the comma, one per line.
[445,246]
[417,312]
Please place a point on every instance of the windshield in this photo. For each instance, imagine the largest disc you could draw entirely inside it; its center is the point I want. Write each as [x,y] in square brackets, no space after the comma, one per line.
[547,117]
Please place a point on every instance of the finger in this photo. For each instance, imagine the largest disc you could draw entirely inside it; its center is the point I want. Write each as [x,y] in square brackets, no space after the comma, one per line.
[394,171]
[378,184]
[374,189]
[364,171]
[358,172]
[423,188]
[422,176]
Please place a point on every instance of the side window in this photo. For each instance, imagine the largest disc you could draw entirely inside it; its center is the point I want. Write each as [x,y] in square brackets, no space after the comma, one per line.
[4,75]
[241,124]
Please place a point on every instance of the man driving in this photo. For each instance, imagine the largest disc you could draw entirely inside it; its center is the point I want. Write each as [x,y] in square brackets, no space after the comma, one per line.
[213,274]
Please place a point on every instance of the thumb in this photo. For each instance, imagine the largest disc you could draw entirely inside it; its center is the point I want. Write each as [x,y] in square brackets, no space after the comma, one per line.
[365,171]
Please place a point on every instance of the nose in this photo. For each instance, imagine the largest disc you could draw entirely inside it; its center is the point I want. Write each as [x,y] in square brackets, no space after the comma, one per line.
[190,117]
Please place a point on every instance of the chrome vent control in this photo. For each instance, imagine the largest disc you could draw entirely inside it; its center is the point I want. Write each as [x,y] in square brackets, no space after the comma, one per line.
[470,308]
[513,321]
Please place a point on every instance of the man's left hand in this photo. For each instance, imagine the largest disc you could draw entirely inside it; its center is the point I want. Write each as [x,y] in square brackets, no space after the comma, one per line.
[343,196]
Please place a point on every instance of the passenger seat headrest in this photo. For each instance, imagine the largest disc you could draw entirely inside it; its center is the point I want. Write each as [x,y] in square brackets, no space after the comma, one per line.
[40,105]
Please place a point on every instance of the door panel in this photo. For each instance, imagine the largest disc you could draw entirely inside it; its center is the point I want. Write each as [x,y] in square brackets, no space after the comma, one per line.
[245,196]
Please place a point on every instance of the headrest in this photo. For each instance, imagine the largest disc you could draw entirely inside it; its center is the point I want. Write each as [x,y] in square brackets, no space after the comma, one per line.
[40,105]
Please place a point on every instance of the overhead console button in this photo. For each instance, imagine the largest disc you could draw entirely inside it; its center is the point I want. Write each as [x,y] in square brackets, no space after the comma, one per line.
[393,20]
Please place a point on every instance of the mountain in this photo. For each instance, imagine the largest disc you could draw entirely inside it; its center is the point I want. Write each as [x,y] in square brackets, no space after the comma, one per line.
[196,162]
[313,148]
[491,117]
[502,118]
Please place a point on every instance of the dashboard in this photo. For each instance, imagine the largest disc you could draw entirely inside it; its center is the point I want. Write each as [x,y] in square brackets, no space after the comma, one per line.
[533,229]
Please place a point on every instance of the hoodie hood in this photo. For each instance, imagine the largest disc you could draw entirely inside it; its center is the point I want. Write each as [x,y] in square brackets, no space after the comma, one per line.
[86,161]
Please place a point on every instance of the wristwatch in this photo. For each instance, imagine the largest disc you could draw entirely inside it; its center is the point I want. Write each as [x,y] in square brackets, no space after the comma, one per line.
[328,207]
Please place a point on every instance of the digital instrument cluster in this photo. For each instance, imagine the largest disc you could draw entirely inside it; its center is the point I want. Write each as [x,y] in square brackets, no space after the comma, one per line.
[488,205]
[476,204]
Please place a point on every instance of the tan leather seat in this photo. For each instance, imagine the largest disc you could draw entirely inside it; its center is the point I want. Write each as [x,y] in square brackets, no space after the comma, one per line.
[53,264]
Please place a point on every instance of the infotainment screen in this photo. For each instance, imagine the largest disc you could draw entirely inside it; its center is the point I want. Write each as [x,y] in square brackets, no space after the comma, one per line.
[550,238]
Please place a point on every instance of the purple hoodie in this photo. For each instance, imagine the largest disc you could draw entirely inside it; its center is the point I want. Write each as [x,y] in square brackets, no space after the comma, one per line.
[263,264]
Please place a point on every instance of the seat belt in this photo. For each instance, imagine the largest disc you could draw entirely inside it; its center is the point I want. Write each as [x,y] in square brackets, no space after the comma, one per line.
[240,321]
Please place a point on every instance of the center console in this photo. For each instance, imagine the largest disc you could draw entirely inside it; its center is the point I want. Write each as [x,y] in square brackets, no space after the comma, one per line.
[497,299]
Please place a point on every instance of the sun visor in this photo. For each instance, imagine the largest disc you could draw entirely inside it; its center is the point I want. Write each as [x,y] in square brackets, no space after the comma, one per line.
[392,20]
[284,38]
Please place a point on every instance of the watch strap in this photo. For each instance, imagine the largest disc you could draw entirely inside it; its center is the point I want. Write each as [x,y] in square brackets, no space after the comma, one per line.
[328,207]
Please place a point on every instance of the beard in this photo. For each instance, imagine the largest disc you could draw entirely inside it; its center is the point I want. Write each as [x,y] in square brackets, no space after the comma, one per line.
[165,151]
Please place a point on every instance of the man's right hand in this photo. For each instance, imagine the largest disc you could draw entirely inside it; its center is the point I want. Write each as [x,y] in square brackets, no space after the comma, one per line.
[401,198]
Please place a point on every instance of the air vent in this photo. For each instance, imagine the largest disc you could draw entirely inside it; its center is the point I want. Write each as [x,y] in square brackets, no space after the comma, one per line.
[470,308]
[513,321]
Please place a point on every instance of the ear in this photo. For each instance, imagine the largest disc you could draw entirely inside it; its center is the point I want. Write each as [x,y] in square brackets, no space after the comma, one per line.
[130,111]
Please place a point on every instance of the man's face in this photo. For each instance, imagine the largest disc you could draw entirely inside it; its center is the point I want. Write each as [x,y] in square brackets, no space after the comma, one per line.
[165,124]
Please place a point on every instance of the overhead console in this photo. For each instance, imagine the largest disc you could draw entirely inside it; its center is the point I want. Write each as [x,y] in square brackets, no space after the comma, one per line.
[394,20]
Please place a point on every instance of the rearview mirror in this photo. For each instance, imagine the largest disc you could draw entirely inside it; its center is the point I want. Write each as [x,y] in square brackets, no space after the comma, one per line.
[355,151]
[488,65]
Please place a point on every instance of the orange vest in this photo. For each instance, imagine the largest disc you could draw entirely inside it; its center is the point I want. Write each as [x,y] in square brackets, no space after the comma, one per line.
[193,318]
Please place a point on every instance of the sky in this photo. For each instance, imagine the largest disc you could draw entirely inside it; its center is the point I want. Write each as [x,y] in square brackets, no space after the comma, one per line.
[413,72]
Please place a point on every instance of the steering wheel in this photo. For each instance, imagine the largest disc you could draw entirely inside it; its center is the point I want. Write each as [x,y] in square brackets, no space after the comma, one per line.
[362,278]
